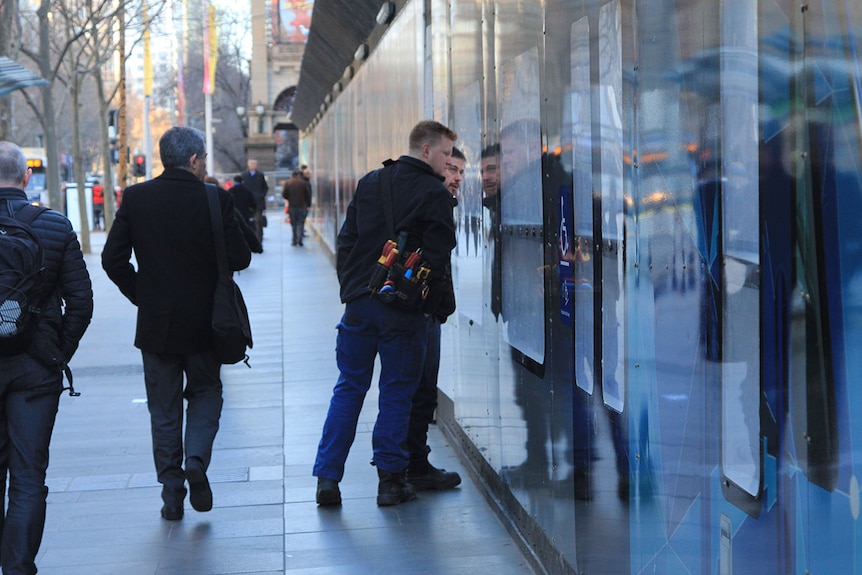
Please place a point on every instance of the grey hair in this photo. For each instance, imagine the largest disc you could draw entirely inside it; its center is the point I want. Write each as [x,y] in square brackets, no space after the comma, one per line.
[13,163]
[179,144]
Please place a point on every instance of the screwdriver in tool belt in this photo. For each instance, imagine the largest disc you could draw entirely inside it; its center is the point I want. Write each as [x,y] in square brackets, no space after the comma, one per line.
[411,261]
[389,255]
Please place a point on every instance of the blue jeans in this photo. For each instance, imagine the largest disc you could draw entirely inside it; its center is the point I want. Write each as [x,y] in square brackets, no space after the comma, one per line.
[163,376]
[29,397]
[424,401]
[369,328]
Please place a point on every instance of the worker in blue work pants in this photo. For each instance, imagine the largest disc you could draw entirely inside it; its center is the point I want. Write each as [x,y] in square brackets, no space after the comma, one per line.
[370,327]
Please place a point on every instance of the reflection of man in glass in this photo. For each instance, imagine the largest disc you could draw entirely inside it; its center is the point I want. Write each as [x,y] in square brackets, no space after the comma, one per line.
[491,200]
[546,408]
[521,246]
[420,473]
[454,172]
[521,172]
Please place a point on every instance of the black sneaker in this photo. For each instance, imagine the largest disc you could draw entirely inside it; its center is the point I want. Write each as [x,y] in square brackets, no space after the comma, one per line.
[328,492]
[433,479]
[200,494]
[393,489]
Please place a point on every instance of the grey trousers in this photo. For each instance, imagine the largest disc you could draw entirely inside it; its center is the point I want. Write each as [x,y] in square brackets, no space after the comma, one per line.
[163,376]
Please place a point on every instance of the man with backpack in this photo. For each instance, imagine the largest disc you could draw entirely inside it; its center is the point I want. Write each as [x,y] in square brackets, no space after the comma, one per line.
[46,303]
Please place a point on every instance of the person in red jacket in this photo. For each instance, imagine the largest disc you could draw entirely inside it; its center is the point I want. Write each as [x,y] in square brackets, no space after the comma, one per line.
[98,205]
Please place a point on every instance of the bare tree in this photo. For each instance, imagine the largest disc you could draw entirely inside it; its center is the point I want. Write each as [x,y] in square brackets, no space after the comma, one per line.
[76,41]
[8,23]
[232,89]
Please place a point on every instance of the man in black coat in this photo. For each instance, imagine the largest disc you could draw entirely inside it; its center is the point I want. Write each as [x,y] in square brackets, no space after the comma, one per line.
[31,380]
[422,209]
[243,200]
[166,221]
[255,181]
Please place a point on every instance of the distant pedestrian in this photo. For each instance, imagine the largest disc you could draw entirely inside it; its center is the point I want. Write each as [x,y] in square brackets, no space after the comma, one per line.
[98,205]
[422,209]
[166,223]
[31,370]
[255,181]
[248,233]
[297,194]
[243,199]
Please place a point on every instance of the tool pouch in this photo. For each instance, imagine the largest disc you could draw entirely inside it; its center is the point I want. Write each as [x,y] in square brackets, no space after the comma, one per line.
[401,287]
[403,292]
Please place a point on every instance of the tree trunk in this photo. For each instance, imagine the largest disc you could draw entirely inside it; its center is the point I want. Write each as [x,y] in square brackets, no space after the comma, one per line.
[55,195]
[122,141]
[104,143]
[79,165]
[7,18]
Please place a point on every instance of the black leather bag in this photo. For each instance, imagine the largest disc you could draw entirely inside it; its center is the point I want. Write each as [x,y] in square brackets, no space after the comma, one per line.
[230,323]
[231,327]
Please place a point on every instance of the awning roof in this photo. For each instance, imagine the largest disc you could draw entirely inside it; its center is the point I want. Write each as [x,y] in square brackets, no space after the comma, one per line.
[14,76]
[338,27]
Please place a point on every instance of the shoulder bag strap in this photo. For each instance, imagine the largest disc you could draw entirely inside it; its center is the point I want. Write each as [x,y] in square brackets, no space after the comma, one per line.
[218,228]
[386,193]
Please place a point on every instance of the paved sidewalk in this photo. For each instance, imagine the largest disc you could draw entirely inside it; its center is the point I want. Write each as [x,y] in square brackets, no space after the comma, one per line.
[103,507]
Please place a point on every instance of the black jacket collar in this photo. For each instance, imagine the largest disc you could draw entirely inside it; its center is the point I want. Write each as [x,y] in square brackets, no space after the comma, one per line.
[419,165]
[13,193]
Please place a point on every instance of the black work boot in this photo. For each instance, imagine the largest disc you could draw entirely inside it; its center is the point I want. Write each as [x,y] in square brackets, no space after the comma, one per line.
[431,478]
[328,492]
[393,489]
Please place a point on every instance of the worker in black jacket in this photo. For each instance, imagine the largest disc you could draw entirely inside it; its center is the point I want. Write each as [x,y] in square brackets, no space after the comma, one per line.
[31,382]
[422,210]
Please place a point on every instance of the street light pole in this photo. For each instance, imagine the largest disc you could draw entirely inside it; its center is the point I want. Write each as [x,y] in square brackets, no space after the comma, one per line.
[243,120]
[260,109]
[208,108]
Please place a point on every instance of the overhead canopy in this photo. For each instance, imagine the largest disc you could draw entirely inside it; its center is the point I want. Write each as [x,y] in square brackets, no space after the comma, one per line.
[338,27]
[14,76]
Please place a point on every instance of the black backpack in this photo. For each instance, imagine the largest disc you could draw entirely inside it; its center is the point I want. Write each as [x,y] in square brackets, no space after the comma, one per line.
[21,282]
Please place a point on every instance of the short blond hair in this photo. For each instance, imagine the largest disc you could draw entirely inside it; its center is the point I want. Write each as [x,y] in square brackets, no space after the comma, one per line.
[429,132]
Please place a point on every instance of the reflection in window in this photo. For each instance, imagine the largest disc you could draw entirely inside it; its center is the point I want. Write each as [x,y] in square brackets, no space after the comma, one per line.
[521,206]
[613,208]
[468,255]
[740,280]
[582,180]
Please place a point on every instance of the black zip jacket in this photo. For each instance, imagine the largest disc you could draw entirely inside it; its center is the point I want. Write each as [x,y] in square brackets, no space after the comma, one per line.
[422,206]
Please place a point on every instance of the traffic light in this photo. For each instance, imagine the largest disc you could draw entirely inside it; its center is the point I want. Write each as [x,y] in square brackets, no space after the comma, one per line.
[140,165]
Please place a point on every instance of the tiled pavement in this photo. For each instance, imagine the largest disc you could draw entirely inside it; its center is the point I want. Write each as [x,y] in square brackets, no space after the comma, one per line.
[103,507]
